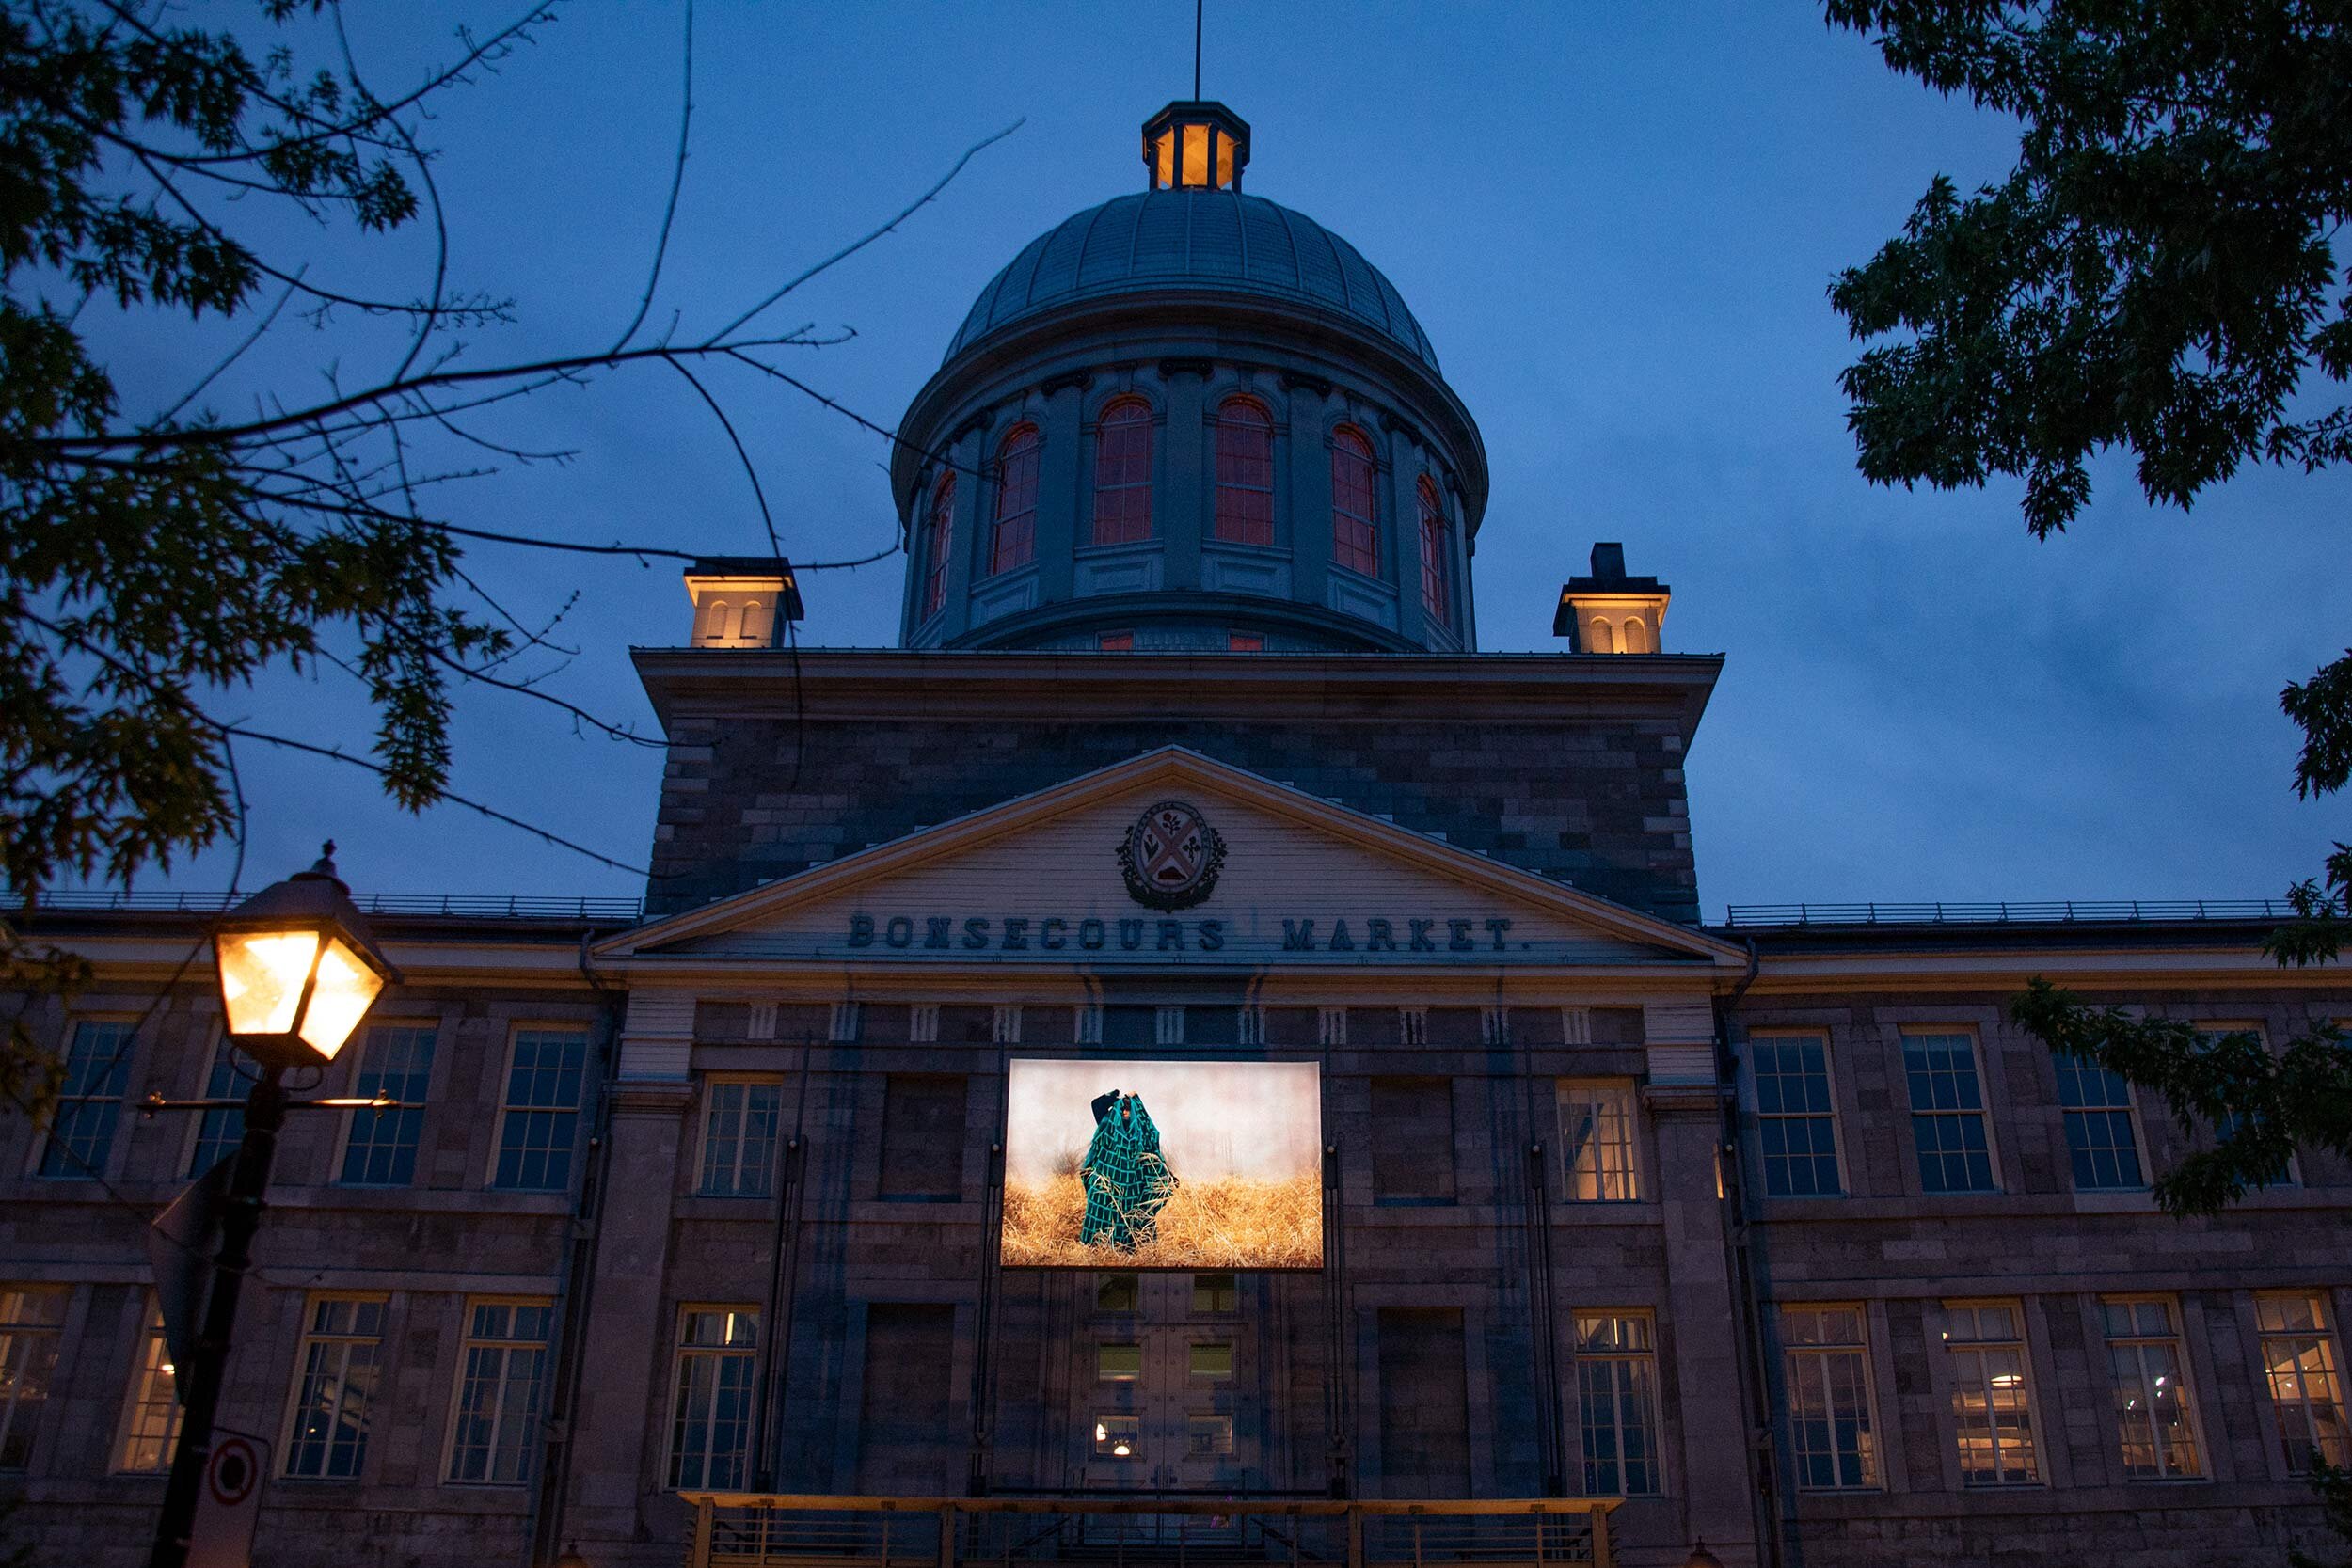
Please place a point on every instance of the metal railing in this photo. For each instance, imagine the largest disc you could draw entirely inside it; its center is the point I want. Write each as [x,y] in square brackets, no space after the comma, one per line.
[478,904]
[743,1529]
[2048,913]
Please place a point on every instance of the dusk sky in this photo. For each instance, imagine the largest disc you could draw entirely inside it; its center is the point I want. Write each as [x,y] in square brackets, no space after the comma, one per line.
[1616,224]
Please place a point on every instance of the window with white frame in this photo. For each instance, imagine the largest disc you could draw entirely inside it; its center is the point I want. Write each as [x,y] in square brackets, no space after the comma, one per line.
[1947,1121]
[31,1319]
[539,1123]
[740,1120]
[1596,1140]
[2102,1140]
[2152,1403]
[1796,1123]
[1616,1387]
[2285,1173]
[1833,1420]
[90,1101]
[336,1373]
[219,1132]
[380,1146]
[151,1423]
[1984,1347]
[2306,1393]
[502,1387]
[712,1396]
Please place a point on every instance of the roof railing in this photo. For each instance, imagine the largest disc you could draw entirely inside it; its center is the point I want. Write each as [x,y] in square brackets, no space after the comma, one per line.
[2009,912]
[490,906]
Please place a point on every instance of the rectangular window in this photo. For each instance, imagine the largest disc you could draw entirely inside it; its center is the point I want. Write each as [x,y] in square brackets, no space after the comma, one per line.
[1832,1421]
[1794,1120]
[1616,1390]
[1117,1292]
[2306,1395]
[1244,642]
[1215,1294]
[501,1385]
[151,1424]
[1117,1436]
[542,1111]
[380,1146]
[90,1101]
[336,1371]
[31,1318]
[2151,1389]
[219,1133]
[1118,1363]
[1947,1113]
[1596,1141]
[1208,1435]
[710,1407]
[1116,642]
[1412,1140]
[1213,1363]
[1986,1346]
[2101,1139]
[2285,1174]
[922,1141]
[740,1120]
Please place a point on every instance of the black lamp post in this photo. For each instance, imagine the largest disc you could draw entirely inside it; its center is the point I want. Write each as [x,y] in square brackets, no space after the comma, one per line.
[298,969]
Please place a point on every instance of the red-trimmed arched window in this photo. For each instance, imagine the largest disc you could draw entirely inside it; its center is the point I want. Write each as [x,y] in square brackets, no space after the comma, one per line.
[1122,473]
[1436,596]
[939,532]
[1355,534]
[1244,474]
[1014,543]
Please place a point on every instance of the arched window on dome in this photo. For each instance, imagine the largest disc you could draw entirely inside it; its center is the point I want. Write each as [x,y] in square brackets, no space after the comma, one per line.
[939,532]
[1244,474]
[1014,543]
[1437,596]
[1122,473]
[1354,531]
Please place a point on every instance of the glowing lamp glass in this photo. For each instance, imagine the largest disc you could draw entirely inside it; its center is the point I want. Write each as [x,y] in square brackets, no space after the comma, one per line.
[343,992]
[262,977]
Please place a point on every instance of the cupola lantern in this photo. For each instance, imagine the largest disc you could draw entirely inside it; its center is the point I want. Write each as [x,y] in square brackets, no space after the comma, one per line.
[1610,611]
[1196,145]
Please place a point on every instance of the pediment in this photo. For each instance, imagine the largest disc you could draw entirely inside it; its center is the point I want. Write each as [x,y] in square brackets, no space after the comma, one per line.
[1297,880]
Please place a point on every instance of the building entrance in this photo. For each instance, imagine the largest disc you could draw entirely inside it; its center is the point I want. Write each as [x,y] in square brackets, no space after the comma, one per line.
[1159,1409]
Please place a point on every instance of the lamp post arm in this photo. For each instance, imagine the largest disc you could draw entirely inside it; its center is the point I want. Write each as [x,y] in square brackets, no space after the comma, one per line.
[264,1114]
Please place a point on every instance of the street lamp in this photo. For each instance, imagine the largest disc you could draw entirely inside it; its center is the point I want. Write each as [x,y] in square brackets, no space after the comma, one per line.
[298,969]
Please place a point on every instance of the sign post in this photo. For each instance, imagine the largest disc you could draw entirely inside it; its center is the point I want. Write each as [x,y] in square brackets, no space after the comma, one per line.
[229,1505]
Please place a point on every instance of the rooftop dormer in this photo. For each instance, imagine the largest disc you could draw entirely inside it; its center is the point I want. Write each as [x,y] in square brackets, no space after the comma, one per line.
[735,600]
[1609,612]
[1195,145]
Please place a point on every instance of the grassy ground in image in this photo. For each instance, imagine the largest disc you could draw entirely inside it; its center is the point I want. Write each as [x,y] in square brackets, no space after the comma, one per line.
[1231,1222]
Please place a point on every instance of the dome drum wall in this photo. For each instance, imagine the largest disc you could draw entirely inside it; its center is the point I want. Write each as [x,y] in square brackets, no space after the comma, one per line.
[1184,355]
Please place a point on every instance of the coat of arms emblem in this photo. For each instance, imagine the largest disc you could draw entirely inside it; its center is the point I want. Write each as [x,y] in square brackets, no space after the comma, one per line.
[1171,857]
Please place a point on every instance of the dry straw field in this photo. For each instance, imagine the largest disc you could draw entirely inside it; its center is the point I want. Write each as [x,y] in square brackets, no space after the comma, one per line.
[1228,1222]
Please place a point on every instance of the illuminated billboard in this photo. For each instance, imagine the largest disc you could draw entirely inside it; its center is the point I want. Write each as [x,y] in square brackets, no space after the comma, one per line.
[1164,1165]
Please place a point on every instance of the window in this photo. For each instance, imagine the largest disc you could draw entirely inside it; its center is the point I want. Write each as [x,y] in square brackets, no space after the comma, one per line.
[739,1117]
[1794,1121]
[1117,1436]
[218,1132]
[1354,531]
[1122,473]
[326,1438]
[1832,1424]
[1213,1363]
[2306,1397]
[380,1146]
[541,1113]
[1117,1292]
[1435,600]
[151,1424]
[1616,1389]
[710,1410]
[1215,1294]
[1208,1435]
[922,1141]
[90,1103]
[2100,1137]
[1948,1113]
[1116,642]
[1118,1363]
[1014,543]
[31,1318]
[939,534]
[2282,1175]
[1244,642]
[1412,1140]
[2150,1390]
[1244,474]
[501,1385]
[1991,1411]
[1596,1141]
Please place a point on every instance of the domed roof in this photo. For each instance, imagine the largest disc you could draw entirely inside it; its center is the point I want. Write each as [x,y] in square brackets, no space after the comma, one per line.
[1197,240]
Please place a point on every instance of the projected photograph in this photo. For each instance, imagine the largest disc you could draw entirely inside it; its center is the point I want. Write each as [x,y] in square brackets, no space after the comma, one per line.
[1164,1165]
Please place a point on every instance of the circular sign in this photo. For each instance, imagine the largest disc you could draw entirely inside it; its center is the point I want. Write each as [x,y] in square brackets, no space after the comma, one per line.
[1171,856]
[234,1470]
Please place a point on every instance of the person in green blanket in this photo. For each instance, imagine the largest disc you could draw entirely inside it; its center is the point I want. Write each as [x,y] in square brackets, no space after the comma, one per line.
[1127,1180]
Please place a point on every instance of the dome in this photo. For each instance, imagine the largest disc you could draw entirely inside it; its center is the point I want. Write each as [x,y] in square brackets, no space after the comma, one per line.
[1216,239]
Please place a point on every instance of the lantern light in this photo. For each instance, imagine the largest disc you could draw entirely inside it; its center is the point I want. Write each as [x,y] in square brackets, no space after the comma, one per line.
[298,968]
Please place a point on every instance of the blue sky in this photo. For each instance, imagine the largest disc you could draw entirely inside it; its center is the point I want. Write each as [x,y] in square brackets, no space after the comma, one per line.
[1615,222]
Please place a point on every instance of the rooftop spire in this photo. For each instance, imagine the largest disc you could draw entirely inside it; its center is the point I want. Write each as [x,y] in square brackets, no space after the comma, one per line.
[1196,145]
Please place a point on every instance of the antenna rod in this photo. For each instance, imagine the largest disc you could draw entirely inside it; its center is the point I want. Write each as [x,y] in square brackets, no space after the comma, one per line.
[1196,49]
